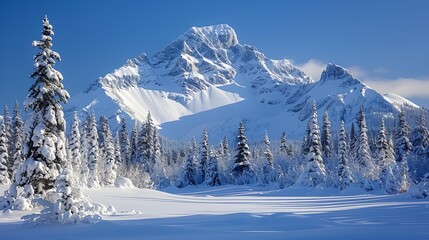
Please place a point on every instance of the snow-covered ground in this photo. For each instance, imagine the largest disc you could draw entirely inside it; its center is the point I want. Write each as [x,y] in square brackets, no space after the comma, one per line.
[238,212]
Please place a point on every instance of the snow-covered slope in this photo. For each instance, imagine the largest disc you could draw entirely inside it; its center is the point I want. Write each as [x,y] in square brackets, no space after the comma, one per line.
[207,79]
[399,101]
[237,212]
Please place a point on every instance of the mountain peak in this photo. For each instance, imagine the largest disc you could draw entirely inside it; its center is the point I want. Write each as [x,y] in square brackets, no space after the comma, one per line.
[334,71]
[220,35]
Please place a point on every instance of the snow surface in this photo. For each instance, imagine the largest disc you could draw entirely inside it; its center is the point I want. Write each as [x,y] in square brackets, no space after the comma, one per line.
[239,212]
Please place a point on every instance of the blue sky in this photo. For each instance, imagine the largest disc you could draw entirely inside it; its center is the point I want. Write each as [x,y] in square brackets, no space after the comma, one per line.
[385,43]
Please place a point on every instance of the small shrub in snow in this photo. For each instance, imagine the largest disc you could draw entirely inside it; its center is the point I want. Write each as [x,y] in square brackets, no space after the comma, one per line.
[68,204]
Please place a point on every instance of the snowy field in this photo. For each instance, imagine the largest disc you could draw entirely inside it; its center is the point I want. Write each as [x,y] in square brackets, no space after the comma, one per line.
[238,212]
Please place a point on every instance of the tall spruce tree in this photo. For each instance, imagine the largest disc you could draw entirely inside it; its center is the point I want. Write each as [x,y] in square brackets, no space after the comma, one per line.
[17,140]
[383,160]
[118,154]
[314,172]
[189,168]
[204,158]
[7,121]
[283,144]
[107,154]
[4,157]
[353,138]
[420,135]
[44,145]
[326,137]
[345,177]
[75,146]
[268,167]
[403,145]
[241,170]
[125,143]
[403,148]
[367,169]
[147,139]
[134,145]
[84,152]
[419,138]
[212,173]
[93,153]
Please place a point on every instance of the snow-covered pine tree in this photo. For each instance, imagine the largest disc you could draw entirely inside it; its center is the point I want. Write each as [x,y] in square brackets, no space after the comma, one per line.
[146,145]
[419,165]
[283,144]
[7,121]
[241,169]
[403,148]
[383,160]
[101,124]
[345,177]
[161,169]
[44,145]
[93,153]
[304,145]
[107,153]
[134,145]
[125,143]
[269,174]
[17,140]
[71,205]
[290,150]
[353,138]
[195,149]
[391,152]
[75,146]
[189,168]
[4,157]
[226,152]
[420,136]
[212,173]
[314,172]
[391,183]
[367,170]
[84,152]
[403,145]
[156,149]
[204,158]
[223,157]
[118,154]
[326,137]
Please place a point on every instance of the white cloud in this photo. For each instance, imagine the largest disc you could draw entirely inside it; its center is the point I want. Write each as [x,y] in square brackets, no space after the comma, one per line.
[406,87]
[313,68]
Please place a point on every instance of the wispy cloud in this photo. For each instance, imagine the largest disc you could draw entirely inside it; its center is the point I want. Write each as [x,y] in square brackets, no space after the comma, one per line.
[406,87]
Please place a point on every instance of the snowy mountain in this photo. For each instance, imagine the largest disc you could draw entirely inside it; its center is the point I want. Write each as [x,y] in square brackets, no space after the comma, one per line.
[207,79]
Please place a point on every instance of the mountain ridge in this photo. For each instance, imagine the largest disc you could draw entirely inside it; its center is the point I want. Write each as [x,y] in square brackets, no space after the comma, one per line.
[205,78]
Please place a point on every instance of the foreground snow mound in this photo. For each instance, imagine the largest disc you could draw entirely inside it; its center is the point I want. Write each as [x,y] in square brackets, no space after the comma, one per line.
[123,182]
